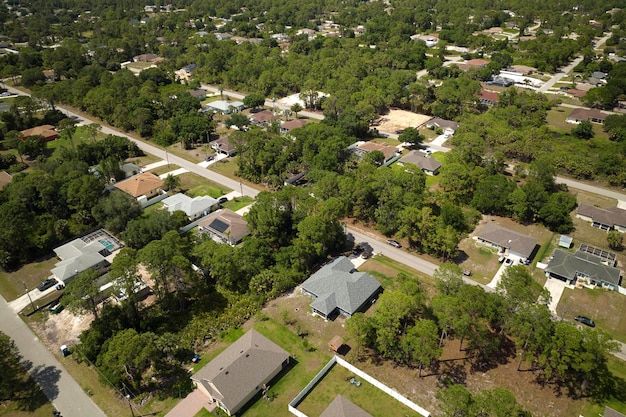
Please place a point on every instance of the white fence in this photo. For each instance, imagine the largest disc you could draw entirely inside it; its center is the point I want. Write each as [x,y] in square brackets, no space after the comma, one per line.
[336,359]
[383,387]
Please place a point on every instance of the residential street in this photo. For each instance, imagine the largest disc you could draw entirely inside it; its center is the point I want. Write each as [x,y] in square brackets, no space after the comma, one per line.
[60,388]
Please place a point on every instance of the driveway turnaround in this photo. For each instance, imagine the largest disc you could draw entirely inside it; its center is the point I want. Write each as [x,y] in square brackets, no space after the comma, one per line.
[60,388]
[191,404]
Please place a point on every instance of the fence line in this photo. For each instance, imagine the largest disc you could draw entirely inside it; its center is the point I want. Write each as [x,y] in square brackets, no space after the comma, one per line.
[339,361]
[383,387]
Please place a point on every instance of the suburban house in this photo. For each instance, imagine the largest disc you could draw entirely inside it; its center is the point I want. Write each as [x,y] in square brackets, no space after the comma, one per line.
[507,242]
[48,132]
[488,98]
[287,126]
[476,63]
[430,40]
[78,256]
[184,74]
[613,218]
[225,226]
[590,115]
[361,149]
[523,69]
[222,36]
[5,178]
[262,118]
[142,186]
[224,146]
[448,126]
[342,407]
[338,288]
[146,58]
[225,107]
[194,208]
[241,372]
[426,163]
[583,268]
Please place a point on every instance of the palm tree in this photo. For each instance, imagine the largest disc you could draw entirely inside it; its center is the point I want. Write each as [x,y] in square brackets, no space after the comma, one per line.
[171,182]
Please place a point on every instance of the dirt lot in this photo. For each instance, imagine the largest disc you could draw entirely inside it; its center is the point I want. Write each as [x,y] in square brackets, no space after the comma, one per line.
[540,400]
[400,119]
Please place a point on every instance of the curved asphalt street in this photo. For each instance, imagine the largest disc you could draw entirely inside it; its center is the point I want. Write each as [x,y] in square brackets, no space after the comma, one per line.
[60,388]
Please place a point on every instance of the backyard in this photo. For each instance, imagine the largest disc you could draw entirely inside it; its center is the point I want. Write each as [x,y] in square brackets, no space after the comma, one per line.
[366,396]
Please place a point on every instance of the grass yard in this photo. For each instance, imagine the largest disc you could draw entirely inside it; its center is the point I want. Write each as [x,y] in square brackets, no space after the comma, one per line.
[386,269]
[164,169]
[238,203]
[204,413]
[198,186]
[29,402]
[306,365]
[556,120]
[606,308]
[366,396]
[12,283]
[228,167]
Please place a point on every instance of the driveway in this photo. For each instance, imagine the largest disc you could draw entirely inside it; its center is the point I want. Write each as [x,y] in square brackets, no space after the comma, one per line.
[191,404]
[556,288]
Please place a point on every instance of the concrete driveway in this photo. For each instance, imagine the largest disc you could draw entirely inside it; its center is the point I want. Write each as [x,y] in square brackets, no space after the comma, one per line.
[191,404]
[556,288]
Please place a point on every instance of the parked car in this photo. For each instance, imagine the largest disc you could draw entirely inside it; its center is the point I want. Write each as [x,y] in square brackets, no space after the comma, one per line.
[508,262]
[394,243]
[501,258]
[46,284]
[56,308]
[585,320]
[467,272]
[222,200]
[209,158]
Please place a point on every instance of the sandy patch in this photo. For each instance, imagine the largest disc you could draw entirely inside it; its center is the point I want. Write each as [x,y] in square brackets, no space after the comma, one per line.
[401,119]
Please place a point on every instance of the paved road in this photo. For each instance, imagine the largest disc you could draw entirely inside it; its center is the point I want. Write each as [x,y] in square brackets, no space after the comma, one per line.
[568,68]
[60,388]
[591,188]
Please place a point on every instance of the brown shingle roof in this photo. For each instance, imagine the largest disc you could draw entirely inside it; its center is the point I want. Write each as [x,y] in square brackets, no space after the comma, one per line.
[489,96]
[227,224]
[264,116]
[341,407]
[47,131]
[386,149]
[477,62]
[140,184]
[242,367]
[587,114]
[292,124]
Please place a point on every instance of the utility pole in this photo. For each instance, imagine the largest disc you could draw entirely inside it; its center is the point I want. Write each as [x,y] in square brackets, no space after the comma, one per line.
[130,405]
[28,294]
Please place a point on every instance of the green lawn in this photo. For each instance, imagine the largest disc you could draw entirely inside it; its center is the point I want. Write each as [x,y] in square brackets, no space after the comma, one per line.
[290,383]
[12,284]
[366,396]
[385,269]
[238,203]
[196,185]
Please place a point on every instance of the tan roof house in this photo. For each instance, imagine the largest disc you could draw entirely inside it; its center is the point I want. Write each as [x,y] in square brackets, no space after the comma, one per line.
[225,226]
[145,184]
[224,146]
[292,124]
[48,132]
[363,148]
[342,407]
[591,115]
[477,63]
[240,372]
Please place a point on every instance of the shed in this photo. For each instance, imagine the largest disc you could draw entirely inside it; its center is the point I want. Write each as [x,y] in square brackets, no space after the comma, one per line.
[335,343]
[565,241]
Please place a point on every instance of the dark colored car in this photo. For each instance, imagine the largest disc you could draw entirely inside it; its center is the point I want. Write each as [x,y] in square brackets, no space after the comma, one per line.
[222,200]
[46,284]
[209,158]
[585,320]
[394,243]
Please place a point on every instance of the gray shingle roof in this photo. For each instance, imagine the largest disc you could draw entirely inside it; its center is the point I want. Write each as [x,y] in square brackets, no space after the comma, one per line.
[338,285]
[77,256]
[567,265]
[421,160]
[342,407]
[513,241]
[191,206]
[613,216]
[241,368]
